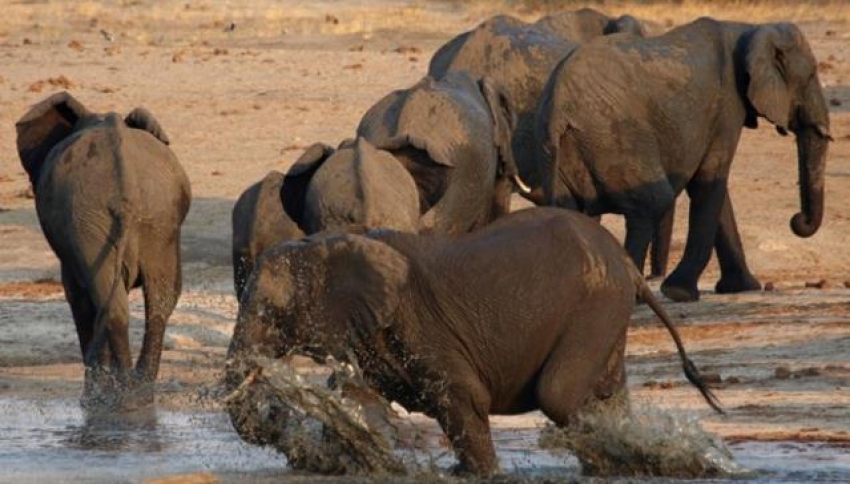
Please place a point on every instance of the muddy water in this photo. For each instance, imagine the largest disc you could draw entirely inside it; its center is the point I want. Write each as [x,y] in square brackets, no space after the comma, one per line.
[51,441]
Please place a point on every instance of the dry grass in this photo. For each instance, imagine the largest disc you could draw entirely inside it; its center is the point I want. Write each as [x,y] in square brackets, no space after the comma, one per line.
[669,13]
[178,22]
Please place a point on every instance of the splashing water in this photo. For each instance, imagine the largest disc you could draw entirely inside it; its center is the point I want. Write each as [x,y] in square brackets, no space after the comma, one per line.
[642,442]
[316,427]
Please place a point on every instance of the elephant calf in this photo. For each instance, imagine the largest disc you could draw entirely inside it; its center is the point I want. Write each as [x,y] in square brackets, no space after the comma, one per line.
[442,326]
[325,189]
[111,197]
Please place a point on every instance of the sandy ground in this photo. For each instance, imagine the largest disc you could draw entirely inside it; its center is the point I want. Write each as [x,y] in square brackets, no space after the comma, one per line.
[240,101]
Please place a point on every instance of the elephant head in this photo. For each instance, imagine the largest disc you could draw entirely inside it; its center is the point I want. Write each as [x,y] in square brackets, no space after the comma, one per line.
[783,87]
[454,136]
[356,184]
[55,119]
[585,24]
[259,222]
[322,295]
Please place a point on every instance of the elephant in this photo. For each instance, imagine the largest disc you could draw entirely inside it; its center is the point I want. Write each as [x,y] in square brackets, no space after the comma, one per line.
[340,189]
[437,325]
[625,124]
[259,222]
[519,57]
[111,197]
[453,136]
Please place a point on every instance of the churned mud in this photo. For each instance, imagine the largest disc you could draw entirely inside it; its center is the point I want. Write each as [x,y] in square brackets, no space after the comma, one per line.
[242,88]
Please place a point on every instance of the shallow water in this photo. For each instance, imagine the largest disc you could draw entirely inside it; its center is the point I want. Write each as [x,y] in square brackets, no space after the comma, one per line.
[50,441]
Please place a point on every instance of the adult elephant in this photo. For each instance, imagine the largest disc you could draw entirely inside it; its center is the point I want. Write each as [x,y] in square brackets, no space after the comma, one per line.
[436,326]
[110,197]
[518,57]
[626,124]
[453,136]
[331,189]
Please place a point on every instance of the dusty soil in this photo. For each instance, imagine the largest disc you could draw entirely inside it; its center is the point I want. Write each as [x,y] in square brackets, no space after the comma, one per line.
[242,90]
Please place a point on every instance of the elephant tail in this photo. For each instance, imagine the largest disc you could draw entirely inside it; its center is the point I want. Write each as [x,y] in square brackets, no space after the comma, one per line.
[691,371]
[122,214]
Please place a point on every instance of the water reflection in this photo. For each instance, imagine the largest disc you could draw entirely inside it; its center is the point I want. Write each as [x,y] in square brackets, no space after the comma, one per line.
[135,431]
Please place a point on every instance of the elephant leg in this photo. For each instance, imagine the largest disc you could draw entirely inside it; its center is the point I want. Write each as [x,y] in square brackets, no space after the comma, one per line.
[464,417]
[735,276]
[588,363]
[639,231]
[112,322]
[162,282]
[707,199]
[660,251]
[82,308]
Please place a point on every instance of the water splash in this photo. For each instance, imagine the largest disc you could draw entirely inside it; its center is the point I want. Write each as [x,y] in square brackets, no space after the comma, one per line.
[315,426]
[643,442]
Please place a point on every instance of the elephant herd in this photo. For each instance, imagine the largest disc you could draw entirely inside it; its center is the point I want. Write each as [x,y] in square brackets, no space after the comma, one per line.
[398,248]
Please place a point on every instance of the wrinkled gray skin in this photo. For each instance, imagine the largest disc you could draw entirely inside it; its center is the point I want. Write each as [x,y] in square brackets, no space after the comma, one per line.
[453,136]
[626,124]
[436,326]
[111,197]
[519,57]
[324,190]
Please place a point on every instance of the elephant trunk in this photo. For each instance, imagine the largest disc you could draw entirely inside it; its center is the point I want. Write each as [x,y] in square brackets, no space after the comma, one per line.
[811,153]
[812,143]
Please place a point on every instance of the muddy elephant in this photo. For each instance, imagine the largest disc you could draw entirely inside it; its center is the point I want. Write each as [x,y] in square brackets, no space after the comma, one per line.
[436,325]
[354,186]
[453,136]
[110,197]
[518,57]
[626,124]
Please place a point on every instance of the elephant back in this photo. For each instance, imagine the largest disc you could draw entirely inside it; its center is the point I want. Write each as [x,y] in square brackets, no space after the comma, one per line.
[449,120]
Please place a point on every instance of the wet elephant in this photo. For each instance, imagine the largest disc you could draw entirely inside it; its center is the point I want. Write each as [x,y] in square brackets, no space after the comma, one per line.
[110,197]
[438,324]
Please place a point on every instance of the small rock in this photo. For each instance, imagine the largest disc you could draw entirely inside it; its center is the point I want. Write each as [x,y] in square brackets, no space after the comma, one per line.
[733,380]
[835,102]
[356,48]
[768,286]
[847,284]
[353,66]
[817,284]
[106,35]
[220,51]
[807,372]
[829,33]
[230,27]
[215,173]
[26,41]
[331,19]
[782,372]
[177,57]
[76,45]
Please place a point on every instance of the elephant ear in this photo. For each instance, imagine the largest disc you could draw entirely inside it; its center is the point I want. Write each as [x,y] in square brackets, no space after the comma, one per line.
[45,125]
[365,282]
[418,117]
[766,57]
[504,121]
[141,118]
[297,179]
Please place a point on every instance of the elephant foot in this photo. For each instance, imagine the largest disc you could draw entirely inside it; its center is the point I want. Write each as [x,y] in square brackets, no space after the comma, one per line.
[680,292]
[737,283]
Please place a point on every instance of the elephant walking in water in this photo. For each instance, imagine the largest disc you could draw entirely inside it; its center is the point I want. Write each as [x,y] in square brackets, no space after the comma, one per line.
[626,124]
[110,197]
[440,325]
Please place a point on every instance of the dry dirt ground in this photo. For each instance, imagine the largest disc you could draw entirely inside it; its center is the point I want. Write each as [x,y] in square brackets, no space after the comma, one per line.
[243,89]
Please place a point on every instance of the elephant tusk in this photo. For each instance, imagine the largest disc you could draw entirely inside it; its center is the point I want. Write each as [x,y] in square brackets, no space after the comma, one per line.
[521,184]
